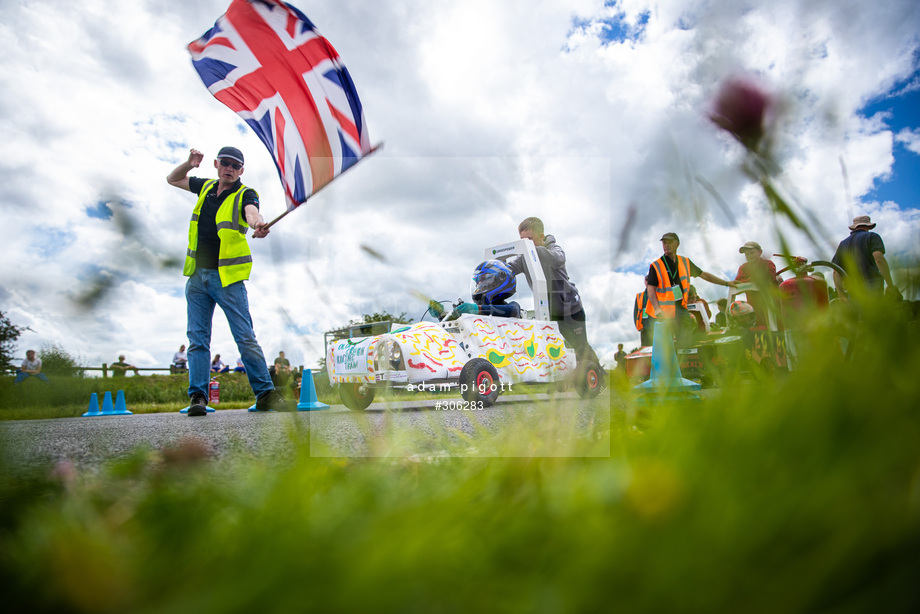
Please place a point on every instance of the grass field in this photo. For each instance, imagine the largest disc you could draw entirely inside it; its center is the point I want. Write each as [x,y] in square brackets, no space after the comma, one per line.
[798,494]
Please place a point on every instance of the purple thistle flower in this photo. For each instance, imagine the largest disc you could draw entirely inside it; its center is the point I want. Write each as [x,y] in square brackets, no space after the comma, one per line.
[740,108]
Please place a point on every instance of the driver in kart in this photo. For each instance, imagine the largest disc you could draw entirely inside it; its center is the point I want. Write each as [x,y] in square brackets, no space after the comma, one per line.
[492,284]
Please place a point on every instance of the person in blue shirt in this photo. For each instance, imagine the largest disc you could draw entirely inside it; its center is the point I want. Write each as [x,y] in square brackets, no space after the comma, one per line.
[862,254]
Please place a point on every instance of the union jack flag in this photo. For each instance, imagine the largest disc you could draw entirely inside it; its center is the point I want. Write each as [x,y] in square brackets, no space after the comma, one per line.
[265,60]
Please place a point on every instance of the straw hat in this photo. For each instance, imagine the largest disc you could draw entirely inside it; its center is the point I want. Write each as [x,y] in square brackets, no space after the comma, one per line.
[862,221]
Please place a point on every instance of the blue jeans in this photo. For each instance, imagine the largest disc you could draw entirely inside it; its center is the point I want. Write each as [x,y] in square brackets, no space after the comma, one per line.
[21,376]
[202,292]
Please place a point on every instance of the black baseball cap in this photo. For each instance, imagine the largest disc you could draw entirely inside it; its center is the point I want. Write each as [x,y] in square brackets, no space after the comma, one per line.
[230,152]
[669,235]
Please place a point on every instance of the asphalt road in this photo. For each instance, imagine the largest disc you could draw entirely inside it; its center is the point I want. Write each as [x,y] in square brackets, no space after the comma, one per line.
[404,429]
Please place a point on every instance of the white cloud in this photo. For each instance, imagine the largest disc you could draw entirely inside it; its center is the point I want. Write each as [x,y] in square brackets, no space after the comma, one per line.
[491,112]
[910,139]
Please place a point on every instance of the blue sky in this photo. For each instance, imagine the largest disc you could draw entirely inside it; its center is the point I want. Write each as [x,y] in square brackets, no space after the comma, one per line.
[901,109]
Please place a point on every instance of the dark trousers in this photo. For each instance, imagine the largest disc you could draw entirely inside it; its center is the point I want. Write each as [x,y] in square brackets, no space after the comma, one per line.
[574,331]
[648,330]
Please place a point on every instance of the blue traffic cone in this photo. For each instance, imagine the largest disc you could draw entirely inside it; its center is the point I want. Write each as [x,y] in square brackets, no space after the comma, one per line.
[107,408]
[665,382]
[121,409]
[93,409]
[308,400]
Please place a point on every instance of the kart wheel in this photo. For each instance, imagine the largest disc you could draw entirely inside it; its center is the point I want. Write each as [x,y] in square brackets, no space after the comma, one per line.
[356,396]
[479,382]
[589,379]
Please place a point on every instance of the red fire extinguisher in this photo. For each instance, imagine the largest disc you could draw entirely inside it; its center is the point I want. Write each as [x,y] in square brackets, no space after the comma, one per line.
[214,391]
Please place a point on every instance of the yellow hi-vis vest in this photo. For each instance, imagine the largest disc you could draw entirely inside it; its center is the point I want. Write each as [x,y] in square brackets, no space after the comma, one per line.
[669,293]
[234,261]
[643,308]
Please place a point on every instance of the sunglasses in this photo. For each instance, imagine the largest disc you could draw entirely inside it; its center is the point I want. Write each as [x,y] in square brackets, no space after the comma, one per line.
[234,165]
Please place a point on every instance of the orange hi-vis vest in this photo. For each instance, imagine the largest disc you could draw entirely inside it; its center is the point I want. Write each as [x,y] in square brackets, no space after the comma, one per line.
[643,308]
[669,293]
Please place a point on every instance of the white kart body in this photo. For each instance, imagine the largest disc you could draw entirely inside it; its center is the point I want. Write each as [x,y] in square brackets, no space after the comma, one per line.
[521,350]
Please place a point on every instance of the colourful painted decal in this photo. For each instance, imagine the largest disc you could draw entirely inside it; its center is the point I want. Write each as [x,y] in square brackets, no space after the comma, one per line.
[497,358]
[420,365]
[555,351]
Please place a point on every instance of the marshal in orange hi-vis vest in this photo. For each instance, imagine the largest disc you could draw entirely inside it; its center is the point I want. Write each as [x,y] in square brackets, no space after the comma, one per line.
[669,293]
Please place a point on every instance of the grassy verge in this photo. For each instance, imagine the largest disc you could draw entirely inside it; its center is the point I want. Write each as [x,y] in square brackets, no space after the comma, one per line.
[793,495]
[69,396]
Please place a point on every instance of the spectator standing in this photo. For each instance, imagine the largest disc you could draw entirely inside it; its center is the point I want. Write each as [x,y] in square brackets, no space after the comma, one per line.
[282,368]
[862,255]
[721,320]
[756,269]
[295,385]
[761,272]
[30,367]
[620,357]
[644,318]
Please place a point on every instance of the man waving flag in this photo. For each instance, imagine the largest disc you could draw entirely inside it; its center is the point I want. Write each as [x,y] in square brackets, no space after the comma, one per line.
[265,60]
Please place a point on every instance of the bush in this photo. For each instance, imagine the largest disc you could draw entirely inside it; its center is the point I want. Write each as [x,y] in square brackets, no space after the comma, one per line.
[58,361]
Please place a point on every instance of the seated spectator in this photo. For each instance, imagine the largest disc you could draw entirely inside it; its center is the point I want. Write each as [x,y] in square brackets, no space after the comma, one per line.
[119,368]
[702,320]
[179,361]
[240,367]
[217,365]
[31,367]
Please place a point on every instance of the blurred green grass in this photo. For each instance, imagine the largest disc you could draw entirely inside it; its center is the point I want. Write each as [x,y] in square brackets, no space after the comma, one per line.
[798,494]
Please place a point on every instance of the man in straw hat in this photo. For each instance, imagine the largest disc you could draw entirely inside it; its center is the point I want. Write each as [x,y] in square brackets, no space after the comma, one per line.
[862,254]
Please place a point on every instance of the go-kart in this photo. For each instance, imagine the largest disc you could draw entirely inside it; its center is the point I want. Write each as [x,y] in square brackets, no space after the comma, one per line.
[481,356]
[759,336]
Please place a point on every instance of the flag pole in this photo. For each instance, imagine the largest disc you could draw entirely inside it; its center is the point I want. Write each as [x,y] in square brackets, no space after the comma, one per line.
[370,152]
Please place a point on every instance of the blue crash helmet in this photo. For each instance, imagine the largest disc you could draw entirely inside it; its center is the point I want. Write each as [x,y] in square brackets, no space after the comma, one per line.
[492,282]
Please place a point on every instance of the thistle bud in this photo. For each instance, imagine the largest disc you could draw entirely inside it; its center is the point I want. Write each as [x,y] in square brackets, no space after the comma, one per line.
[740,108]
